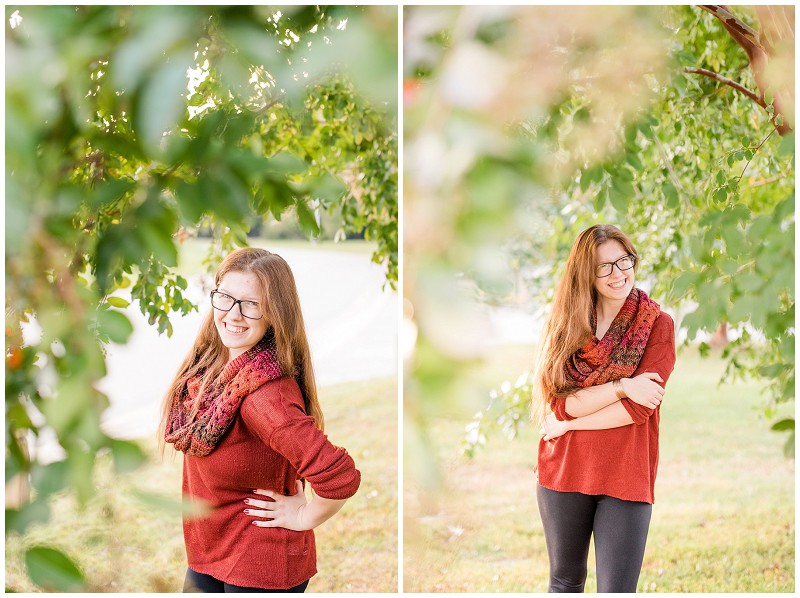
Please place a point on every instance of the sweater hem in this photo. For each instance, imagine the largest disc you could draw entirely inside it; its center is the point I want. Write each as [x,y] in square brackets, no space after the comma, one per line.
[598,492]
[204,569]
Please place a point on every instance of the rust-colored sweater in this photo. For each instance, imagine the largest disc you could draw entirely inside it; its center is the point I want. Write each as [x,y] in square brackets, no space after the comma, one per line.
[620,462]
[270,445]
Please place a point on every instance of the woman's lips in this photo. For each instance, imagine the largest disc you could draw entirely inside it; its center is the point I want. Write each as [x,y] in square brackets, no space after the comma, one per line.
[233,329]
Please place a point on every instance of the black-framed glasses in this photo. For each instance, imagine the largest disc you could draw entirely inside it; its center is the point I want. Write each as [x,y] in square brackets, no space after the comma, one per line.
[626,262]
[249,309]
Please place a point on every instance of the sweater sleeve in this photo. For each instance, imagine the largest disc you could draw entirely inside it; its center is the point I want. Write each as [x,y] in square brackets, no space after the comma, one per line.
[659,357]
[558,405]
[278,416]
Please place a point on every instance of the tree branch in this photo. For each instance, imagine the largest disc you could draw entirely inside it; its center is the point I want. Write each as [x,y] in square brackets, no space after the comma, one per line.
[771,179]
[732,24]
[731,83]
[751,42]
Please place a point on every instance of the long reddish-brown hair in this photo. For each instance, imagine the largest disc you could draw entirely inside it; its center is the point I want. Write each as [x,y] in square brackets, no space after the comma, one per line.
[569,325]
[280,305]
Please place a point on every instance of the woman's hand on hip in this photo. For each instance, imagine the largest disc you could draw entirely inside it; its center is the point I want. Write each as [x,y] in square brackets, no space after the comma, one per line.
[644,389]
[281,511]
[553,428]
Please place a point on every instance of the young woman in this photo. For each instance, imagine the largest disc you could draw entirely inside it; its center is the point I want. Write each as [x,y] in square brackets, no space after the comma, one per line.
[243,409]
[607,353]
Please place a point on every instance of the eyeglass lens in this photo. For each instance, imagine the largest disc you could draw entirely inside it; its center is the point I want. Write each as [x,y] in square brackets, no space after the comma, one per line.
[623,263]
[249,309]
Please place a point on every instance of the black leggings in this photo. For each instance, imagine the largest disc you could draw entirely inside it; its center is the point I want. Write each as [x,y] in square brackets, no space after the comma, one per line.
[620,532]
[200,582]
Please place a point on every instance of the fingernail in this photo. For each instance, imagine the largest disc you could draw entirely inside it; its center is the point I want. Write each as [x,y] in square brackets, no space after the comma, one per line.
[247,501]
[247,511]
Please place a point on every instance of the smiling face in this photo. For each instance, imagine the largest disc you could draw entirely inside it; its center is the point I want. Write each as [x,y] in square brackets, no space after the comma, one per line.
[238,333]
[618,285]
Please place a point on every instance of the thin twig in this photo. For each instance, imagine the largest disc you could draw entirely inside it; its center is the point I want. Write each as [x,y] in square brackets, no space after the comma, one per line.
[731,83]
[771,179]
[754,154]
[667,163]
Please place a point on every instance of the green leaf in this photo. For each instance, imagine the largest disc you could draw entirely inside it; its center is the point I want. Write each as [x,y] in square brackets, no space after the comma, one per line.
[749,282]
[632,158]
[685,281]
[49,479]
[72,399]
[600,199]
[232,199]
[671,195]
[52,570]
[585,180]
[327,187]
[109,191]
[80,462]
[745,308]
[284,164]
[782,425]
[618,200]
[772,371]
[735,243]
[306,219]
[117,302]
[172,506]
[128,456]
[19,520]
[114,325]
[622,181]
[192,201]
[162,102]
[788,447]
[786,146]
[785,208]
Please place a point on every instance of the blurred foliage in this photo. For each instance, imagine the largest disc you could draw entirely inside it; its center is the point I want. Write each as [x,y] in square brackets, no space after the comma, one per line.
[524,126]
[130,128]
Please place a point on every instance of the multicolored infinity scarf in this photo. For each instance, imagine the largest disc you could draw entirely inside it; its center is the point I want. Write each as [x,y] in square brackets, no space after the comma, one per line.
[618,354]
[220,402]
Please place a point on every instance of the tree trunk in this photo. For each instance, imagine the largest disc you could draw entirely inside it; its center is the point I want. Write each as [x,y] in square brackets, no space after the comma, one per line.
[719,339]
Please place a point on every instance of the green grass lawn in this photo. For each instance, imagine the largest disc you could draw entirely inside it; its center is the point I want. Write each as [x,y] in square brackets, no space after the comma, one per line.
[124,546]
[723,520]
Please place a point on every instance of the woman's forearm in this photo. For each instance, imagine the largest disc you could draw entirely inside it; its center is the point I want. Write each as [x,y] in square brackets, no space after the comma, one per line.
[319,510]
[612,416]
[590,400]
